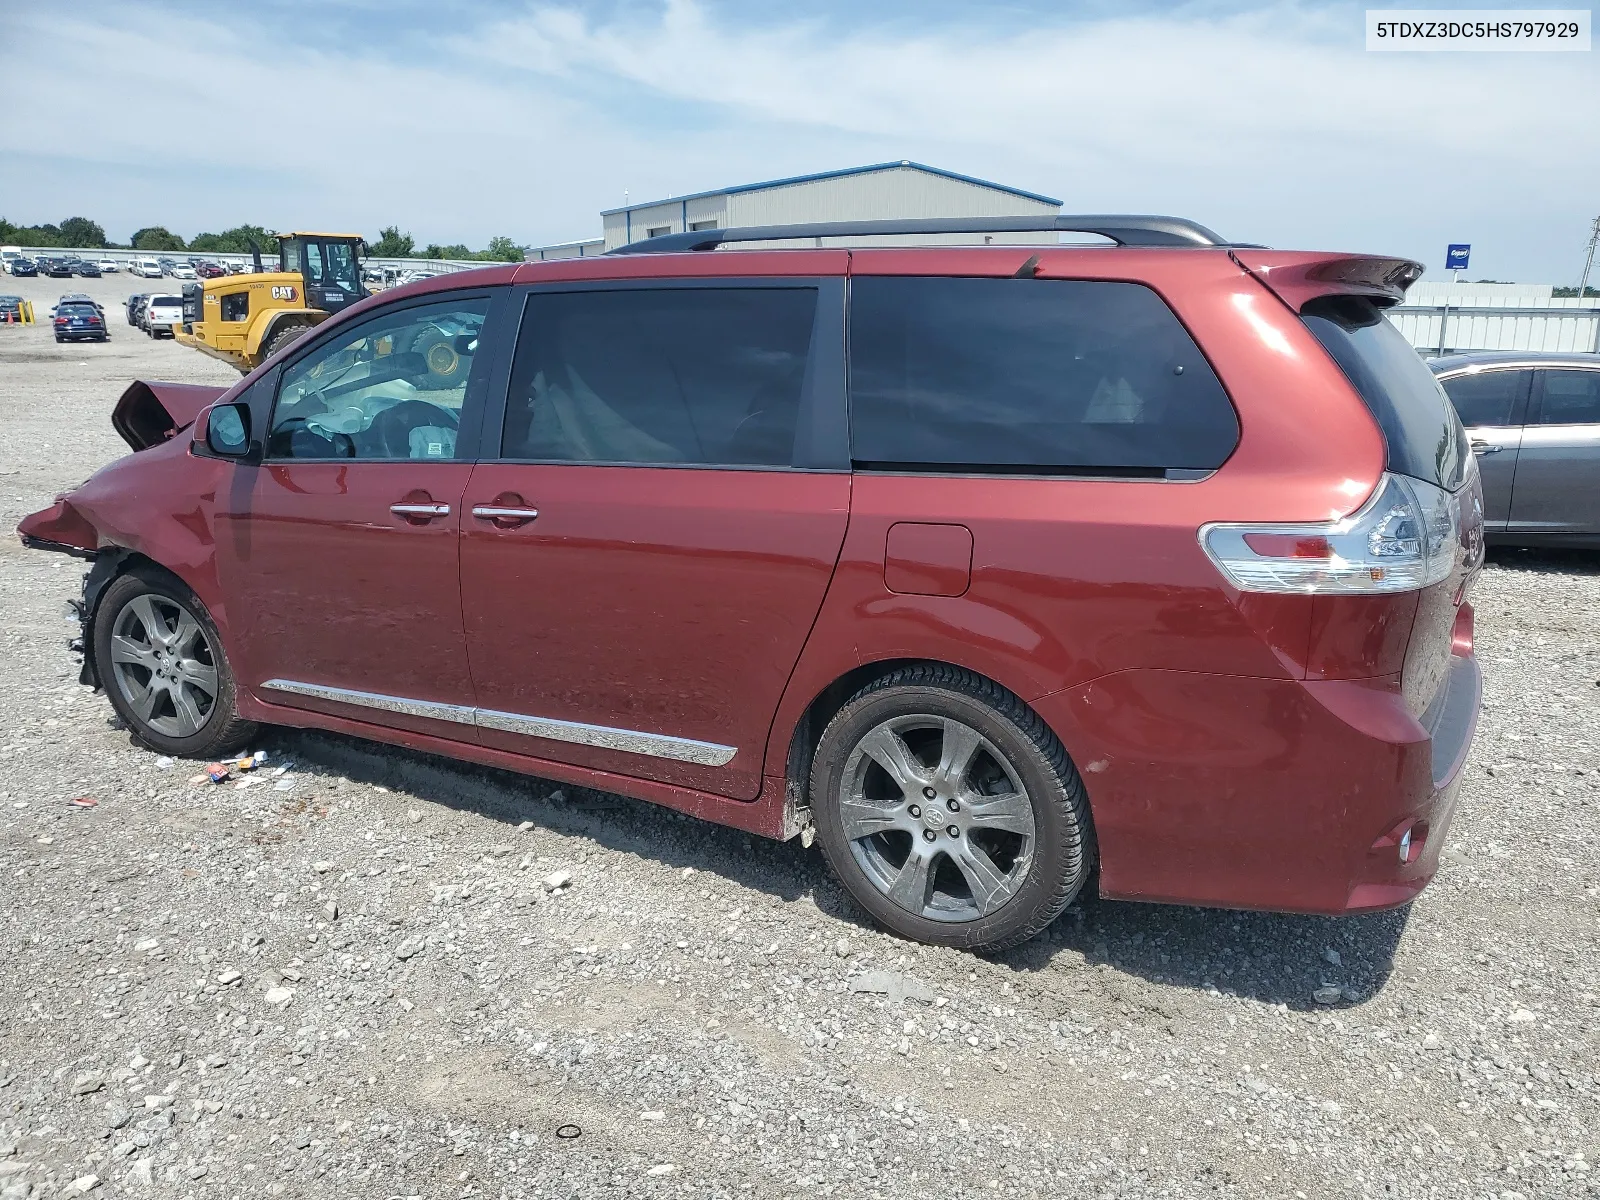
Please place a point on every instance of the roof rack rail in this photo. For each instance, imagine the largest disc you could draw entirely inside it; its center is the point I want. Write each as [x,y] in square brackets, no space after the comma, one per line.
[1124,230]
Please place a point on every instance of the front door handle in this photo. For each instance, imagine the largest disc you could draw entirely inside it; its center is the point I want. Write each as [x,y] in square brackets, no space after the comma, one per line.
[505,516]
[419,513]
[1481,448]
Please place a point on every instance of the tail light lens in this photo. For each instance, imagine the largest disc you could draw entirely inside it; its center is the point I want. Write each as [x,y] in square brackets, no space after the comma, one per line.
[1404,538]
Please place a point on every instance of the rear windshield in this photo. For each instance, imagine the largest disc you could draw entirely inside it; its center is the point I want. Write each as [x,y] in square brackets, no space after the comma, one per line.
[1419,424]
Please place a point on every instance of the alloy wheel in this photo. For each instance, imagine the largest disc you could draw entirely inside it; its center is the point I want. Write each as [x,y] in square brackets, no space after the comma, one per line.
[936,817]
[164,665]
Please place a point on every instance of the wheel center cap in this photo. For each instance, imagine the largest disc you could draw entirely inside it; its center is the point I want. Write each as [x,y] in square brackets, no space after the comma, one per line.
[934,816]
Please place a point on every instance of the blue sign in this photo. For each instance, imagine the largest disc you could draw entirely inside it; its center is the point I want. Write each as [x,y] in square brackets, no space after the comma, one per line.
[1455,257]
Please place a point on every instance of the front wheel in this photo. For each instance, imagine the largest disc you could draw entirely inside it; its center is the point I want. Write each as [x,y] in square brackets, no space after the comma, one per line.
[161,662]
[282,337]
[949,810]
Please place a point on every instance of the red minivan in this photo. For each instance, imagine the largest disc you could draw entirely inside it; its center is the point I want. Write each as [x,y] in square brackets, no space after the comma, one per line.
[983,565]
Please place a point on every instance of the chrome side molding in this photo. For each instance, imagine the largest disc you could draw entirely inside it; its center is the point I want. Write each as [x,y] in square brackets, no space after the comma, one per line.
[458,713]
[629,741]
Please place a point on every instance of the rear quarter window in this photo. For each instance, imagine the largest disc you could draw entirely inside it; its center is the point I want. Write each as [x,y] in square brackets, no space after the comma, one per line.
[1424,436]
[1029,376]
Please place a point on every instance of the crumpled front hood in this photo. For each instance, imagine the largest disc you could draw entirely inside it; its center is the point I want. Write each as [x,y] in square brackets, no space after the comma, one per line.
[147,414]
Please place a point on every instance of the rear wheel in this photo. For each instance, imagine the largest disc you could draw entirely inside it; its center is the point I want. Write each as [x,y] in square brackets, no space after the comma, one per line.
[161,662]
[949,810]
[448,367]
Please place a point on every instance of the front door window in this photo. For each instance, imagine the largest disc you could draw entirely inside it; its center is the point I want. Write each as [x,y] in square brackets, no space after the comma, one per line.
[389,388]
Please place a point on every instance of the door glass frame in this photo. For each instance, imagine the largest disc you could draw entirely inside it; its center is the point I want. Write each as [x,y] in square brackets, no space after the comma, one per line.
[1520,407]
[1536,404]
[487,373]
[822,430]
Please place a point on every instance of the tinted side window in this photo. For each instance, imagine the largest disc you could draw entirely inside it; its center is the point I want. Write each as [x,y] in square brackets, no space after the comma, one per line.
[1423,433]
[1571,398]
[1026,375]
[391,387]
[706,376]
[1488,397]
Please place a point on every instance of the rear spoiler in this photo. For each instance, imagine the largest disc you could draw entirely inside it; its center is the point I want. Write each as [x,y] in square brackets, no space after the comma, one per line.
[147,414]
[1298,277]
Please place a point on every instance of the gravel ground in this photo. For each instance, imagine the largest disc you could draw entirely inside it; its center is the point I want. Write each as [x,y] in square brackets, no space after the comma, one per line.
[380,974]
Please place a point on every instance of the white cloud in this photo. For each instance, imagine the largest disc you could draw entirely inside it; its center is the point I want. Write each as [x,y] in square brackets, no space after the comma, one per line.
[1271,125]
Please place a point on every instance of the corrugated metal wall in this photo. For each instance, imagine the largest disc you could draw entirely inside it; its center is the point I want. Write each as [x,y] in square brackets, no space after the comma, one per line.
[899,192]
[1439,318]
[895,192]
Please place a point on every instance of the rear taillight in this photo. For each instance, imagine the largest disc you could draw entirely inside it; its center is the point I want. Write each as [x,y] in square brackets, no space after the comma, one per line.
[1405,537]
[61,320]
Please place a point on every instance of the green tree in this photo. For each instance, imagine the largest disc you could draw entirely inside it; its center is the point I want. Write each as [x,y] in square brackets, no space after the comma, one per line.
[457,251]
[30,235]
[154,237]
[502,249]
[392,243]
[82,232]
[232,241]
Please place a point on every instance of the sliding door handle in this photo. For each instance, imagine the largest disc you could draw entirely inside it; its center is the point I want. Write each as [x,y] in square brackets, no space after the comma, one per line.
[505,516]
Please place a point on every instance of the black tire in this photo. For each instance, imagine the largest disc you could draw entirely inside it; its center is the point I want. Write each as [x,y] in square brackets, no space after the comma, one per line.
[283,335]
[1042,873]
[447,367]
[219,729]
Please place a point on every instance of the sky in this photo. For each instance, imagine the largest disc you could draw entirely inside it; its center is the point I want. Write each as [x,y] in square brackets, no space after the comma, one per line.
[1266,122]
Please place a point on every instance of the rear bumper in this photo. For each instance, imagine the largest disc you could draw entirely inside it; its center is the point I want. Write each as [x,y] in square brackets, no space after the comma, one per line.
[1276,794]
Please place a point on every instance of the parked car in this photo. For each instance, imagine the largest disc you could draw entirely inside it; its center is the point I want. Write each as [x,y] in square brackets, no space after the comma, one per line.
[183,271]
[237,268]
[167,265]
[86,269]
[146,268]
[56,268]
[108,266]
[1151,556]
[24,267]
[209,270]
[134,305]
[161,313]
[1533,420]
[10,309]
[76,321]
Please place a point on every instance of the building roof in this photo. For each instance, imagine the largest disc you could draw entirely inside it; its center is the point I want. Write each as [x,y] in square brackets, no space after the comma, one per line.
[840,174]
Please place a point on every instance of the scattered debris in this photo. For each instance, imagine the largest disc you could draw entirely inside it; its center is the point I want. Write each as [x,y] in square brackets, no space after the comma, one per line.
[896,986]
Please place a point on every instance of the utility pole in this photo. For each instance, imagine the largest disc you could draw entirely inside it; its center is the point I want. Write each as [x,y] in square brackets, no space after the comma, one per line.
[1594,237]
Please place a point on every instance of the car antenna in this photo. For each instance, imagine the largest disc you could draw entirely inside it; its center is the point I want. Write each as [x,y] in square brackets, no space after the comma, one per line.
[1029,269]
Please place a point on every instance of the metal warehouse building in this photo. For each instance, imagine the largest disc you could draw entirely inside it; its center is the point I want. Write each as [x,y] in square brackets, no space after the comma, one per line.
[884,191]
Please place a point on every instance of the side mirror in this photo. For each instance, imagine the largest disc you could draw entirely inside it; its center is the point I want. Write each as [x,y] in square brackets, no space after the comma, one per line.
[228,431]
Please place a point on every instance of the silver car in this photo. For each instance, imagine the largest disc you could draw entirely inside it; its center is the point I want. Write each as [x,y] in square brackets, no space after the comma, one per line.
[1534,423]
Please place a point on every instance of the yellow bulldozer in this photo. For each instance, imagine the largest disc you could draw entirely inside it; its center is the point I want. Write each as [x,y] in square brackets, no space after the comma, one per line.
[245,319]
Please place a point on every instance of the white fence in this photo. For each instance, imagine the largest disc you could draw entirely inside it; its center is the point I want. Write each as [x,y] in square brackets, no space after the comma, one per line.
[1439,318]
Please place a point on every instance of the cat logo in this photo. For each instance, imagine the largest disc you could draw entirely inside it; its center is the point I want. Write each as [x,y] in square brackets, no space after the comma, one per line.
[285,292]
